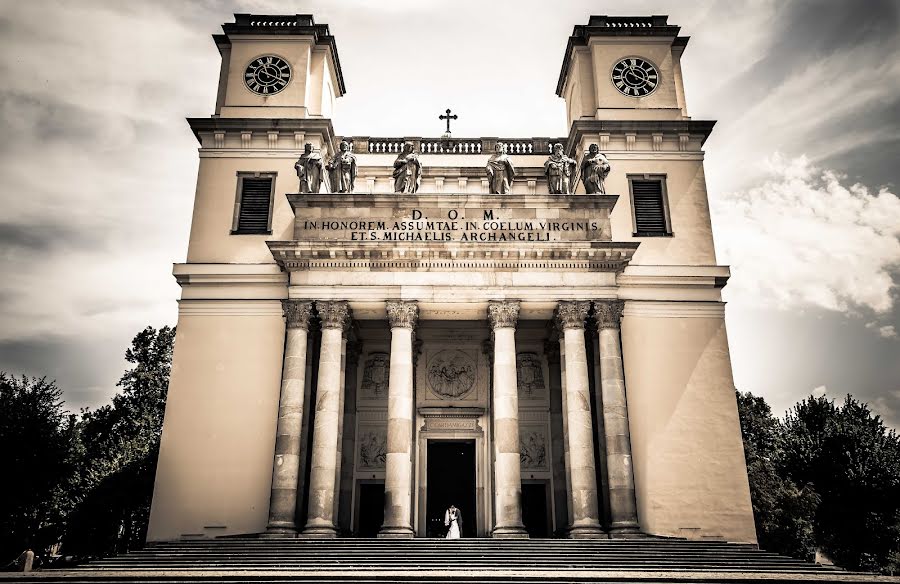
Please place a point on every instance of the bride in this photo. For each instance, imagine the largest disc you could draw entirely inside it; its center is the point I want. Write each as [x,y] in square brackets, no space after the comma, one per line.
[453,520]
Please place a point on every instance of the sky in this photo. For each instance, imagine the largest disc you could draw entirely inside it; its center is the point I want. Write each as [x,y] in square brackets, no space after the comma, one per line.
[98,167]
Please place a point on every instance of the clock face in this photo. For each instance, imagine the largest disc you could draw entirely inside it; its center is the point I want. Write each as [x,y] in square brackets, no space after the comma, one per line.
[267,75]
[635,77]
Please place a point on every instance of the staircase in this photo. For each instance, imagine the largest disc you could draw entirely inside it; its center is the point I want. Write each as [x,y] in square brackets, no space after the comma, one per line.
[246,559]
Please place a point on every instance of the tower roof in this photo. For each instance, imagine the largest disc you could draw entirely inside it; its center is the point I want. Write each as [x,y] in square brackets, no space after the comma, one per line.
[282,24]
[616,26]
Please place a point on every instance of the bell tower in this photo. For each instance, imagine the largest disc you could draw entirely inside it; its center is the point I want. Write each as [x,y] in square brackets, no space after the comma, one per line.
[623,67]
[277,67]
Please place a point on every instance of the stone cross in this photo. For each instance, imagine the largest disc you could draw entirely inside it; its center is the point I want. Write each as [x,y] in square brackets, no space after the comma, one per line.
[448,117]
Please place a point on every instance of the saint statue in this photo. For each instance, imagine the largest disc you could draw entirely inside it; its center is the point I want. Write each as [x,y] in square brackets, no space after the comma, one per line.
[594,170]
[453,521]
[310,170]
[342,170]
[560,171]
[407,170]
[500,170]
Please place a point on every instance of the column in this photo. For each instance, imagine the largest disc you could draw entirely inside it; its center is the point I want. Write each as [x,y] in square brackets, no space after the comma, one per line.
[557,442]
[348,438]
[335,318]
[398,462]
[507,472]
[570,316]
[286,470]
[623,509]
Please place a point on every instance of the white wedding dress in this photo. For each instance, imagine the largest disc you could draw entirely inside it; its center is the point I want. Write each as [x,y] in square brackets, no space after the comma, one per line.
[451,519]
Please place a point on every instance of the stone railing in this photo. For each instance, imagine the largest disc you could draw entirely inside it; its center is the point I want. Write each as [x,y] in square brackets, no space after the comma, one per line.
[366,144]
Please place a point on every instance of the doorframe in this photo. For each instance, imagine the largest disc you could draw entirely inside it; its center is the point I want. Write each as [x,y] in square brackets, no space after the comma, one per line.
[465,428]
[548,500]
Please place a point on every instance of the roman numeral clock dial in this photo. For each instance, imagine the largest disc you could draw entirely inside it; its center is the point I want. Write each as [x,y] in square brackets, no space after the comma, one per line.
[267,75]
[635,77]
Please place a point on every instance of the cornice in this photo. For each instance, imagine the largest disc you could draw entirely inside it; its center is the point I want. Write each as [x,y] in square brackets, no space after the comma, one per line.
[581,128]
[289,125]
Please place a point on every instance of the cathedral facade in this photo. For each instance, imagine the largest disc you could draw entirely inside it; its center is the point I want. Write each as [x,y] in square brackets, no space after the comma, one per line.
[374,328]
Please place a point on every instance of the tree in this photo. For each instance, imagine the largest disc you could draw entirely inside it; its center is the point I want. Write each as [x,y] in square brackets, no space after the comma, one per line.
[121,445]
[784,513]
[854,463]
[39,454]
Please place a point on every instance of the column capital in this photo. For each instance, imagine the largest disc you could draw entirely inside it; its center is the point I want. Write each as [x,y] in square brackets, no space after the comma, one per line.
[297,313]
[503,314]
[334,314]
[608,313]
[570,314]
[402,314]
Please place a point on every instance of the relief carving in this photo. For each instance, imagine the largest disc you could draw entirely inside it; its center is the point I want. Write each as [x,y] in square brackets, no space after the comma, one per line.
[373,449]
[529,376]
[376,375]
[451,374]
[532,449]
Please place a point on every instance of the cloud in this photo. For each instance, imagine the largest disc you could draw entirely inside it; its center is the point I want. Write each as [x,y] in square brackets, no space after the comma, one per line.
[805,238]
[819,391]
[886,331]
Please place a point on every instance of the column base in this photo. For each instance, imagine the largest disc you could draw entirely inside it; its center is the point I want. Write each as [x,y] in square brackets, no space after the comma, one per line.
[586,532]
[319,532]
[510,532]
[625,530]
[279,531]
[395,532]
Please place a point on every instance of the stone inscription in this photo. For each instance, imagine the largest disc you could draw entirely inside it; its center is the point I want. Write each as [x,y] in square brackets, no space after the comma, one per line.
[453,226]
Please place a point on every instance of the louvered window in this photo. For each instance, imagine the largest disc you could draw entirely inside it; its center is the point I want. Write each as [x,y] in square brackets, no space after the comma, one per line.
[649,206]
[253,212]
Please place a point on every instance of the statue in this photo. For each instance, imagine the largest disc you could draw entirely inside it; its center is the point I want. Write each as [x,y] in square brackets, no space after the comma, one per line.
[342,170]
[560,171]
[310,170]
[594,170]
[500,170]
[407,170]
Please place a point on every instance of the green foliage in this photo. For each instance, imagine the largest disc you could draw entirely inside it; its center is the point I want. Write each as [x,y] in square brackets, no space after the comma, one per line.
[36,446]
[121,443]
[827,477]
[784,513]
[86,481]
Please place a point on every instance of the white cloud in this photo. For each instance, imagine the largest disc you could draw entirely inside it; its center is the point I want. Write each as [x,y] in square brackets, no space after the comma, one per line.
[886,332]
[804,239]
[819,391]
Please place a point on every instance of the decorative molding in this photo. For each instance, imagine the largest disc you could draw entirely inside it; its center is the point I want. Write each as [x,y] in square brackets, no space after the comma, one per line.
[674,309]
[372,445]
[530,377]
[219,139]
[273,139]
[297,313]
[245,139]
[230,308]
[533,449]
[503,314]
[570,314]
[451,374]
[376,375]
[402,314]
[334,314]
[451,412]
[608,313]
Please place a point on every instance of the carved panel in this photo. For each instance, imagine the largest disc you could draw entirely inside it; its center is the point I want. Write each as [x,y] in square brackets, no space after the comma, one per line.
[530,376]
[376,375]
[372,444]
[451,374]
[533,449]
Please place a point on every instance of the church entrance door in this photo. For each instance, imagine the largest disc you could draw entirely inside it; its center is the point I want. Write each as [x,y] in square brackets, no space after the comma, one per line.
[534,508]
[451,480]
[371,508]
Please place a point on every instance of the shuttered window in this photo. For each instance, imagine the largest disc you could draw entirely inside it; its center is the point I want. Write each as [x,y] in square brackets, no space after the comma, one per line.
[253,207]
[648,199]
